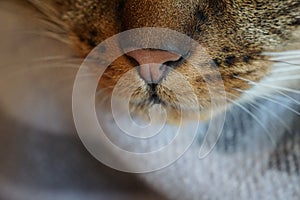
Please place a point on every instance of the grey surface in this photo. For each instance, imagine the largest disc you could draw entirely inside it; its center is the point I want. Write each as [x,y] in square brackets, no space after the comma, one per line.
[40,165]
[41,156]
[52,164]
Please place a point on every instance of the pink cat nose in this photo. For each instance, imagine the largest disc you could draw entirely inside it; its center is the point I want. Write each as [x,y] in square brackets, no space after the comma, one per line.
[152,68]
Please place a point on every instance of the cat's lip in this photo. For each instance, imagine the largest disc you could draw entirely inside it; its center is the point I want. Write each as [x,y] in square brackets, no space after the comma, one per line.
[153,96]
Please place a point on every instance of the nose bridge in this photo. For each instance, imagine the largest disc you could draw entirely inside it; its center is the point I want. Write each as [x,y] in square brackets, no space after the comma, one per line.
[153,13]
[172,14]
[156,38]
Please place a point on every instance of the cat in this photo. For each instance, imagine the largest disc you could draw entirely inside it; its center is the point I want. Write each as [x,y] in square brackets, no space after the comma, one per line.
[252,45]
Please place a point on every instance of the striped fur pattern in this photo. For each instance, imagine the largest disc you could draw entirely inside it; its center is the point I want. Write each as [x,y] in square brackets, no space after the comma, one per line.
[258,153]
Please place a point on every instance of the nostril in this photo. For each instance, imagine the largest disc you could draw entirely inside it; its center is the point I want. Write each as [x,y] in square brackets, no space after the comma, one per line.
[175,63]
[145,56]
[153,63]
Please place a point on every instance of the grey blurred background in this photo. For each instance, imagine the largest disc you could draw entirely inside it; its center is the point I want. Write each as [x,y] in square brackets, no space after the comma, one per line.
[41,156]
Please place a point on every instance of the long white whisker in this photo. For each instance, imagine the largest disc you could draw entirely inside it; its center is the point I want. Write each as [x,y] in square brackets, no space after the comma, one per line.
[61,37]
[52,24]
[58,58]
[275,90]
[284,78]
[269,98]
[288,97]
[286,58]
[282,53]
[47,11]
[60,81]
[254,117]
[283,63]
[285,69]
[42,66]
[40,62]
[268,86]
[259,106]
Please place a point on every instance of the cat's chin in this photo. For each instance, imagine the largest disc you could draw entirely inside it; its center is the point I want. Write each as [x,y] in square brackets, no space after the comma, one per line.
[162,112]
[175,116]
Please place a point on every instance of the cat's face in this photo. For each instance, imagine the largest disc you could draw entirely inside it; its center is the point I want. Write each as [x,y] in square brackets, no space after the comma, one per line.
[234,34]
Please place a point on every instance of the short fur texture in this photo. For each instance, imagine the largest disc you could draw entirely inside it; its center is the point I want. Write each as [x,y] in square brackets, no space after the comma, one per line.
[233,33]
[254,44]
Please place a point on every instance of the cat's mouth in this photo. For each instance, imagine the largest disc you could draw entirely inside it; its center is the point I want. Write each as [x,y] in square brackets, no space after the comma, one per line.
[153,67]
[190,84]
[153,96]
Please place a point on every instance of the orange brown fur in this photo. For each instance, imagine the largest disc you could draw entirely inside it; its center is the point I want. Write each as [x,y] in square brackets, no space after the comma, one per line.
[233,32]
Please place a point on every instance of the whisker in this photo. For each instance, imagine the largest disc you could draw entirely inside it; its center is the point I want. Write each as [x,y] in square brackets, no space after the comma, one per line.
[287,63]
[52,24]
[259,106]
[268,86]
[284,78]
[285,69]
[269,98]
[288,97]
[49,12]
[30,63]
[61,37]
[56,81]
[282,53]
[49,17]
[26,67]
[277,91]
[58,58]
[254,117]
[279,88]
[40,62]
[72,78]
[281,62]
[11,74]
[285,58]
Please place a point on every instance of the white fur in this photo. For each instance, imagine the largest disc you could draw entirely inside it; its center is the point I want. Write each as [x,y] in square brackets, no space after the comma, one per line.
[36,100]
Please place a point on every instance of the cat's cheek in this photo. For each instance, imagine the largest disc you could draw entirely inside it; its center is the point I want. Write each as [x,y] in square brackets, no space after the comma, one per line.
[283,76]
